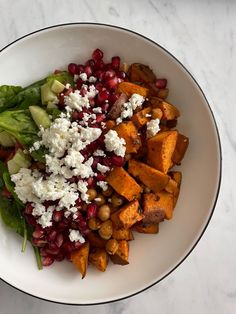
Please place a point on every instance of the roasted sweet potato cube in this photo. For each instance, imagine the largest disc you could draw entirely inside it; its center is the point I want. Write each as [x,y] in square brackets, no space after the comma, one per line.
[160,149]
[129,133]
[177,177]
[96,241]
[180,148]
[122,234]
[99,258]
[128,215]
[131,88]
[141,73]
[122,254]
[80,258]
[124,184]
[142,117]
[172,187]
[152,178]
[110,124]
[170,112]
[141,227]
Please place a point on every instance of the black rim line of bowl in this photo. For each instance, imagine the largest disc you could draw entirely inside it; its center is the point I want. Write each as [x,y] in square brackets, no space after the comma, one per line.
[219,143]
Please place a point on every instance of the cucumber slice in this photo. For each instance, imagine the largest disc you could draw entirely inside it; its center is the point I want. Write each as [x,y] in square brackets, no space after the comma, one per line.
[47,94]
[40,116]
[6,139]
[57,87]
[51,105]
[20,160]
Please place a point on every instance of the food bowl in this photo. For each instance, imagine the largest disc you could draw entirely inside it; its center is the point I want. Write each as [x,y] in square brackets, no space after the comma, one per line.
[152,257]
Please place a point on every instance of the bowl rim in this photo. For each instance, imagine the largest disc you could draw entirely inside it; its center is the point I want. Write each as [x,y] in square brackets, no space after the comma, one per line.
[217,136]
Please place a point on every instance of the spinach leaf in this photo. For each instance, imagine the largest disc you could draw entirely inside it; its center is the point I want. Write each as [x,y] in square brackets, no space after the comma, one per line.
[10,187]
[6,93]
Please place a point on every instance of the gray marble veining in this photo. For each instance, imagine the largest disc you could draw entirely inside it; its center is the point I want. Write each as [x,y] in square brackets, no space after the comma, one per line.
[202,35]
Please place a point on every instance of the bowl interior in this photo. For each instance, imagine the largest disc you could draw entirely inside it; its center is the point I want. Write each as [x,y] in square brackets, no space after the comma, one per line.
[151,256]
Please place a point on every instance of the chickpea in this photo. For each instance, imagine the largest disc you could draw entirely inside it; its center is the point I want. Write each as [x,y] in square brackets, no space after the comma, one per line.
[92,193]
[94,223]
[117,200]
[108,192]
[112,246]
[105,230]
[156,113]
[104,212]
[100,199]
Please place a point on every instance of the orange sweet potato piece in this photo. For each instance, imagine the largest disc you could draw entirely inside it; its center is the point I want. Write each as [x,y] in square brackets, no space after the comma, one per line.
[99,258]
[141,227]
[172,187]
[141,73]
[128,215]
[131,88]
[180,148]
[152,178]
[170,112]
[80,258]
[141,118]
[122,234]
[123,183]
[177,177]
[122,254]
[110,124]
[129,133]
[96,241]
[160,149]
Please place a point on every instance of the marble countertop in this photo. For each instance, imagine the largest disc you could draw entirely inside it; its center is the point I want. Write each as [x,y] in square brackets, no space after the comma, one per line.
[202,35]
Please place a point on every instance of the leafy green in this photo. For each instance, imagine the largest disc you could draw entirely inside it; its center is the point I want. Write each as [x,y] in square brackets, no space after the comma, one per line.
[7,93]
[54,112]
[63,77]
[10,187]
[38,257]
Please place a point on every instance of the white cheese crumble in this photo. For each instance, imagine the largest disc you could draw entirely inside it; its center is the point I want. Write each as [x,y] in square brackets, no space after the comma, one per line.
[128,108]
[46,219]
[83,77]
[102,168]
[97,110]
[153,127]
[103,185]
[75,235]
[92,79]
[114,143]
[99,153]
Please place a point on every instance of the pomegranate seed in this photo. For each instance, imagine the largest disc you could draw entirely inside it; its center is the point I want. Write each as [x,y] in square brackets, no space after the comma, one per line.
[67,247]
[96,160]
[99,65]
[97,54]
[99,86]
[117,161]
[57,215]
[80,68]
[85,231]
[115,62]
[75,115]
[73,68]
[105,106]
[59,257]
[43,252]
[109,74]
[112,83]
[38,242]
[121,74]
[37,234]
[31,221]
[102,96]
[113,98]
[90,182]
[92,102]
[51,236]
[29,209]
[91,63]
[82,224]
[83,91]
[47,260]
[101,139]
[107,161]
[161,83]
[88,70]
[100,177]
[108,66]
[100,117]
[79,83]
[52,249]
[92,211]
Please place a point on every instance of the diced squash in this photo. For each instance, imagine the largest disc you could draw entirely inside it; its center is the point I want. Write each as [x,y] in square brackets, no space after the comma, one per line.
[170,112]
[80,258]
[155,101]
[152,211]
[131,88]
[157,113]
[110,124]
[142,117]
[99,258]
[122,254]
[177,177]
[129,133]
[141,73]
[96,241]
[172,187]
[123,183]
[128,215]
[160,149]
[146,228]
[122,234]
[152,178]
[180,148]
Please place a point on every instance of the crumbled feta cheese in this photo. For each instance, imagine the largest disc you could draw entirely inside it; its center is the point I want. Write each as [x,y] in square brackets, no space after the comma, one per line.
[136,101]
[97,110]
[76,101]
[114,143]
[68,199]
[82,187]
[102,168]
[99,152]
[103,185]
[92,79]
[46,218]
[97,199]
[38,209]
[153,127]
[75,236]
[83,77]
[92,92]
[127,111]
[67,86]
[73,158]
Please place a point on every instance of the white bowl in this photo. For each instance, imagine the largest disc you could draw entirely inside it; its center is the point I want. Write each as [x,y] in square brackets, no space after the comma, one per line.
[152,257]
